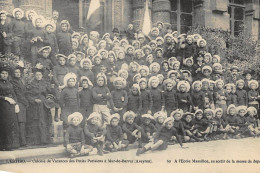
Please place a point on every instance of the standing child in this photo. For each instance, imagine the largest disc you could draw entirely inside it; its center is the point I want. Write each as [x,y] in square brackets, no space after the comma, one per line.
[64,38]
[242,98]
[86,66]
[220,96]
[146,97]
[51,40]
[85,98]
[170,97]
[94,134]
[229,95]
[135,102]
[114,135]
[253,95]
[157,97]
[208,96]
[183,97]
[129,56]
[202,126]
[74,137]
[101,97]
[132,132]
[197,96]
[72,65]
[119,97]
[59,71]
[69,98]
[220,127]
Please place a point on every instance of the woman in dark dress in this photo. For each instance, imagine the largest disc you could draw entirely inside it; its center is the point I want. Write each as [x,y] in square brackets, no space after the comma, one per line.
[20,89]
[38,116]
[9,131]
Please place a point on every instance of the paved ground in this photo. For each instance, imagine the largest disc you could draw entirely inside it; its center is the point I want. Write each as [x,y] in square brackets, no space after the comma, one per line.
[209,157]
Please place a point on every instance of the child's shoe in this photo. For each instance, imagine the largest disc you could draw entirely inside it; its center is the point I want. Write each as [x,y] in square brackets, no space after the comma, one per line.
[140,151]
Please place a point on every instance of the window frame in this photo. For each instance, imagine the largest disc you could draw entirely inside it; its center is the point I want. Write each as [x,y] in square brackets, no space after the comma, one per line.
[179,13]
[232,5]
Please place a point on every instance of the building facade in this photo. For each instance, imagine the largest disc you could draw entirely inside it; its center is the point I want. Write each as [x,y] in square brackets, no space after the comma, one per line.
[229,15]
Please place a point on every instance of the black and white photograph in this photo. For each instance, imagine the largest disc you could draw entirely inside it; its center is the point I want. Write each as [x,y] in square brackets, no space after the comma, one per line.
[129,86]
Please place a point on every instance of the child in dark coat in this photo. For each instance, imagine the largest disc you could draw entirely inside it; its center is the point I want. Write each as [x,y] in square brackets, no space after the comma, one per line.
[114,136]
[242,98]
[188,125]
[132,132]
[197,96]
[202,126]
[146,97]
[232,121]
[74,137]
[157,97]
[170,100]
[86,66]
[253,127]
[64,38]
[148,128]
[94,133]
[183,97]
[159,118]
[51,40]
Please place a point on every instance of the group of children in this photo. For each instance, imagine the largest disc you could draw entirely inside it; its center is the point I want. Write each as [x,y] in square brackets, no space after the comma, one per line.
[153,90]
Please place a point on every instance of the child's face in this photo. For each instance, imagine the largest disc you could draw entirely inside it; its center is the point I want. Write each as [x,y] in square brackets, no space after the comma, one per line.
[217,68]
[183,88]
[71,82]
[185,76]
[75,121]
[211,86]
[189,63]
[206,59]
[177,116]
[103,54]
[94,120]
[100,81]
[173,76]
[139,55]
[251,113]
[209,115]
[155,33]
[136,45]
[253,86]
[240,85]
[91,52]
[2,17]
[159,42]
[98,60]
[38,76]
[143,85]
[121,55]
[73,61]
[123,75]
[234,72]
[45,53]
[202,44]
[64,27]
[74,45]
[169,125]
[134,91]
[102,45]
[134,68]
[153,83]
[165,66]
[38,23]
[130,27]
[79,57]
[169,86]
[49,29]
[205,86]
[168,40]
[160,120]
[18,15]
[248,76]
[103,69]
[130,51]
[17,73]
[147,121]
[130,120]
[197,87]
[199,116]
[153,46]
[116,44]
[85,84]
[219,85]
[85,40]
[176,66]
[219,114]
[159,53]
[214,60]
[111,58]
[232,111]
[150,59]
[241,113]
[228,89]
[62,61]
[143,73]
[137,78]
[114,122]
[118,85]
[147,51]
[188,118]
[189,40]
[206,73]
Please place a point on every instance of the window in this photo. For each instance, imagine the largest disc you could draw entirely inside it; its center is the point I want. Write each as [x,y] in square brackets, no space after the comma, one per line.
[181,15]
[236,12]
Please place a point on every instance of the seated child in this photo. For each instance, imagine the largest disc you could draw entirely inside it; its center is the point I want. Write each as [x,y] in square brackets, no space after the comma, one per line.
[163,136]
[169,94]
[252,122]
[159,118]
[202,126]
[74,137]
[220,128]
[132,132]
[242,123]
[114,136]
[148,128]
[187,120]
[94,133]
[232,120]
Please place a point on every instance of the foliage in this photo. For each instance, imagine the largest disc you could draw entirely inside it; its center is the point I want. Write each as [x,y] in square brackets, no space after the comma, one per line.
[240,50]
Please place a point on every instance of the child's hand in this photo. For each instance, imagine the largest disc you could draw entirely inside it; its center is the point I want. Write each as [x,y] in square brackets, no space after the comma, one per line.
[115,109]
[149,112]
[100,95]
[80,89]
[4,34]
[39,38]
[133,134]
[184,101]
[37,100]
